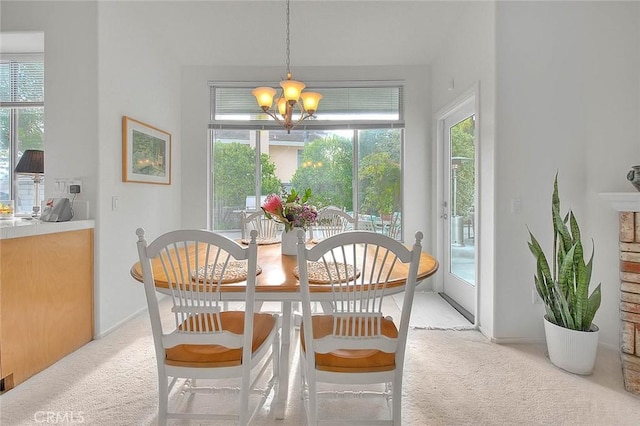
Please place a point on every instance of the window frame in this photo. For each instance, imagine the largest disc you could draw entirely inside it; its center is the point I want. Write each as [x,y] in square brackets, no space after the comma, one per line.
[13,106]
[270,124]
[258,190]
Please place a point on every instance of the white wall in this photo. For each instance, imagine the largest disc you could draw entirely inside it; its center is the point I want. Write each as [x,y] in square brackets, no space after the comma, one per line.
[565,98]
[135,58]
[203,53]
[71,89]
[467,60]
[567,101]
[141,79]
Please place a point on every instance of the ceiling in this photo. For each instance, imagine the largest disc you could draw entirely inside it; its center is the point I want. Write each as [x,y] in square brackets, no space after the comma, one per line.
[323,32]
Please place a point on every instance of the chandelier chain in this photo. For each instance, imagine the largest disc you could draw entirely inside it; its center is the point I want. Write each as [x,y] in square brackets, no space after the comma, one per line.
[288,51]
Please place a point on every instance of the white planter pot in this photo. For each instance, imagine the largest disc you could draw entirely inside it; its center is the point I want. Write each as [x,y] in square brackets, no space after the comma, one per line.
[572,350]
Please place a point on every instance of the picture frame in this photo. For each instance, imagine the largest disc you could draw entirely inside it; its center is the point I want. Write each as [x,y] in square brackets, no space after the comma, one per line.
[146,153]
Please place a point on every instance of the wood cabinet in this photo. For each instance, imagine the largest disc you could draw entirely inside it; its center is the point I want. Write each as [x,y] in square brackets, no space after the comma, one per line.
[46,301]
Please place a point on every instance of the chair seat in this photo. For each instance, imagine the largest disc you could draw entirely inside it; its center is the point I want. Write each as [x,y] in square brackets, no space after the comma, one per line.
[217,355]
[351,360]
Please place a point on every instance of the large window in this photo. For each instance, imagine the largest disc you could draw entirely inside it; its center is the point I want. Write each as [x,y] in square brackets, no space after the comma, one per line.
[21,123]
[351,159]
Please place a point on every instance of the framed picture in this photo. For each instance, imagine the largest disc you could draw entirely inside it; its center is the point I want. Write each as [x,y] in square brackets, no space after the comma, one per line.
[146,153]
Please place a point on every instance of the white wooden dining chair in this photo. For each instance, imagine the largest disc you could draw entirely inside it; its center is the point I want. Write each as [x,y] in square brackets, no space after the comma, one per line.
[365,223]
[203,340]
[356,342]
[330,222]
[394,230]
[268,230]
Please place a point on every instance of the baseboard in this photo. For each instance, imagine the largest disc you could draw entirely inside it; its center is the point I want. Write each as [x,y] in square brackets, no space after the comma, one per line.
[537,340]
[516,340]
[121,323]
[610,346]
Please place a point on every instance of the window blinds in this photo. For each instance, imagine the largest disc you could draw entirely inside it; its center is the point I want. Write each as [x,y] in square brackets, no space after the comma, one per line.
[362,106]
[21,82]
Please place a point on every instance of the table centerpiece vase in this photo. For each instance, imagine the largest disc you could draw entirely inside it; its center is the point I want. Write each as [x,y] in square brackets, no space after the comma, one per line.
[289,245]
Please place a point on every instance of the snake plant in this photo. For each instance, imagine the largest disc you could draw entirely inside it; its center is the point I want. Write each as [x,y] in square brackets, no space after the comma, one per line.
[565,288]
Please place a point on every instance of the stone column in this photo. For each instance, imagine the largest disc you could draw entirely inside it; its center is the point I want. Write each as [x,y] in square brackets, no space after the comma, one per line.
[630,299]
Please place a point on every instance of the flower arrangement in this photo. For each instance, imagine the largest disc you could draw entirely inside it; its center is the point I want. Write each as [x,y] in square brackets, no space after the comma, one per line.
[291,209]
[6,209]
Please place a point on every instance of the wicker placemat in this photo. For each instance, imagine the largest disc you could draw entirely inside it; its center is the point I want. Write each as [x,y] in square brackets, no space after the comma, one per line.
[235,271]
[261,241]
[318,274]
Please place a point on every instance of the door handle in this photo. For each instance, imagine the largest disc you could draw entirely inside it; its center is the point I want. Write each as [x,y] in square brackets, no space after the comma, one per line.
[444,214]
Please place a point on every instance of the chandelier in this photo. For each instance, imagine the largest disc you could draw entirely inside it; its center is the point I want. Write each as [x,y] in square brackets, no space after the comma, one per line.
[291,97]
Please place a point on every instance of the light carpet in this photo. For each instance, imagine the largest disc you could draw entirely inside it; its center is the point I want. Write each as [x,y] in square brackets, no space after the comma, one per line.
[431,312]
[451,378]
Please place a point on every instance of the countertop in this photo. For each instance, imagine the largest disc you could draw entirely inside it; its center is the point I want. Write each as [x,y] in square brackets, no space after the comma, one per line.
[18,227]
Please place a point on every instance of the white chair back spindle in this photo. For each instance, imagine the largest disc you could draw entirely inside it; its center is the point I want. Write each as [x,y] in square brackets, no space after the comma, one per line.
[330,222]
[268,229]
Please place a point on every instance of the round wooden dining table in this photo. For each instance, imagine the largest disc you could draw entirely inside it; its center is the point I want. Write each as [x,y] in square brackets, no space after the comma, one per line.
[278,282]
